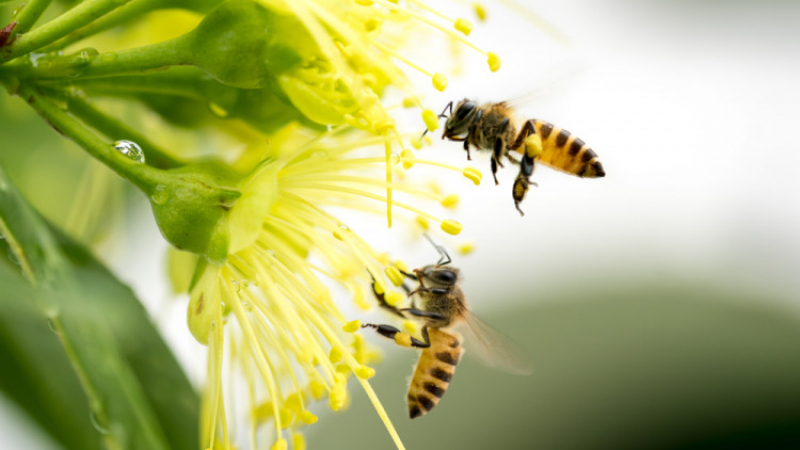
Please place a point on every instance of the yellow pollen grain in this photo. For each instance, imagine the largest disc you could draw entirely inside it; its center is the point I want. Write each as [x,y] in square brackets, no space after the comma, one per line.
[365,372]
[451,201]
[393,298]
[410,102]
[403,339]
[494,61]
[440,81]
[280,444]
[352,327]
[464,26]
[308,418]
[465,248]
[451,227]
[417,143]
[473,174]
[431,120]
[407,156]
[394,275]
[533,145]
[480,11]
[423,222]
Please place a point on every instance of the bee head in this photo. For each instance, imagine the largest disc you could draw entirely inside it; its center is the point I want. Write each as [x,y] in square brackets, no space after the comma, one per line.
[440,275]
[457,125]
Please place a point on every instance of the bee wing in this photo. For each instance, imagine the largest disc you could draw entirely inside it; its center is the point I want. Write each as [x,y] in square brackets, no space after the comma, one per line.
[550,84]
[493,348]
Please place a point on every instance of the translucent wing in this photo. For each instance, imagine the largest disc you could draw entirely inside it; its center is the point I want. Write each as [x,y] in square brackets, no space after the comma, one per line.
[551,83]
[492,348]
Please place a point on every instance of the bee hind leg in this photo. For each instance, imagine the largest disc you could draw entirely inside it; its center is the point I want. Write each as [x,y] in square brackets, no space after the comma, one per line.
[392,333]
[466,149]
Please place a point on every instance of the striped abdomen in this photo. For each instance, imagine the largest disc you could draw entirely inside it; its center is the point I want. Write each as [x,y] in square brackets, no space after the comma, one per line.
[564,151]
[435,368]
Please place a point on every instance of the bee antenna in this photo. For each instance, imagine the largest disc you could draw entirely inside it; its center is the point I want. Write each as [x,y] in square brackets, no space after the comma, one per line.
[442,252]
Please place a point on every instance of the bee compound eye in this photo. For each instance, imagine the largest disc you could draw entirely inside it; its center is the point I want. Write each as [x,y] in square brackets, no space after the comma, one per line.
[464,109]
[446,277]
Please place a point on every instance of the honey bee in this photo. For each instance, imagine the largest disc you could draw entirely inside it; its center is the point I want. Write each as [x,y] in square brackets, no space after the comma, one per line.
[494,127]
[439,304]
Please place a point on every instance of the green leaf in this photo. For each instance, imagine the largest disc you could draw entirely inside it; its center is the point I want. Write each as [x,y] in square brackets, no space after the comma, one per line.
[84,359]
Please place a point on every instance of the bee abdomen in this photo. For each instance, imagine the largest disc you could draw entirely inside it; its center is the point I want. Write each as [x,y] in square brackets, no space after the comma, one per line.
[564,151]
[434,371]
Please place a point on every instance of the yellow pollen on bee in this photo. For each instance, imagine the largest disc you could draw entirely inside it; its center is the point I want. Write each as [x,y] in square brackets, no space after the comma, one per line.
[494,61]
[464,26]
[394,275]
[352,326]
[533,145]
[403,339]
[423,222]
[451,201]
[451,227]
[473,174]
[393,298]
[439,82]
[431,120]
[407,157]
[365,372]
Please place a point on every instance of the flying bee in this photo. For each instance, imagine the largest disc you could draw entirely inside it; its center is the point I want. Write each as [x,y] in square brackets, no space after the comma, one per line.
[439,304]
[494,127]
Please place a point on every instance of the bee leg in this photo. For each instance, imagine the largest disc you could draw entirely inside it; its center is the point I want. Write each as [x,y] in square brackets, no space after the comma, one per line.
[382,300]
[433,318]
[527,129]
[521,186]
[391,332]
[494,170]
[466,148]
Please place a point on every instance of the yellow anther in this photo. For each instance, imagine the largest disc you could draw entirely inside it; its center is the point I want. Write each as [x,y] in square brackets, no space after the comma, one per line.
[416,143]
[298,442]
[494,62]
[293,402]
[338,395]
[308,418]
[385,125]
[365,372]
[365,2]
[473,174]
[403,339]
[451,201]
[533,145]
[335,355]
[410,102]
[431,120]
[317,389]
[440,81]
[451,227]
[373,24]
[480,11]
[465,248]
[401,266]
[379,287]
[286,417]
[464,26]
[393,298]
[394,275]
[280,444]
[342,368]
[423,222]
[410,326]
[407,156]
[352,327]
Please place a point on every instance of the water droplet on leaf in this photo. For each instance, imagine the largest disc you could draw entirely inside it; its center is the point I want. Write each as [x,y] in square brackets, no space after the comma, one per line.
[131,150]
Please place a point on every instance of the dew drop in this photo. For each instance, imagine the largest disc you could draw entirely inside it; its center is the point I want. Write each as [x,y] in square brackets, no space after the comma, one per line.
[97,423]
[131,150]
[161,195]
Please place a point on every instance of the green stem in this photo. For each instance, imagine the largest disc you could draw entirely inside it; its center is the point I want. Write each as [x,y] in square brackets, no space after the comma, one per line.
[144,177]
[59,27]
[113,128]
[132,61]
[28,16]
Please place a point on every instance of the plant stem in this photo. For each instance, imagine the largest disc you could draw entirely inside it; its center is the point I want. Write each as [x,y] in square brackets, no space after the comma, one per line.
[28,15]
[59,27]
[143,176]
[113,128]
